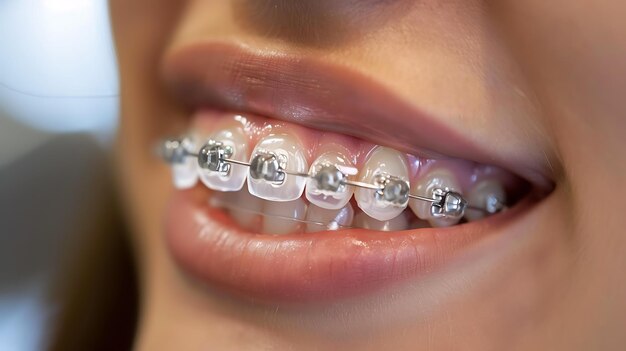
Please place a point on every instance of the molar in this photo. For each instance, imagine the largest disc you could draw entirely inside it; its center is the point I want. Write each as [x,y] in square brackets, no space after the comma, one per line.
[424,186]
[484,194]
[283,217]
[325,165]
[233,180]
[185,174]
[362,220]
[288,150]
[382,161]
[335,219]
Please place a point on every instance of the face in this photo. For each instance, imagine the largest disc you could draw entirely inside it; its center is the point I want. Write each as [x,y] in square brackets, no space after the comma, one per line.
[314,121]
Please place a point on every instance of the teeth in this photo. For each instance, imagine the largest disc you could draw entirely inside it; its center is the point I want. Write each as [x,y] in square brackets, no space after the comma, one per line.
[185,174]
[277,173]
[326,197]
[417,223]
[242,207]
[234,179]
[484,194]
[382,161]
[424,186]
[280,215]
[290,151]
[362,220]
[333,219]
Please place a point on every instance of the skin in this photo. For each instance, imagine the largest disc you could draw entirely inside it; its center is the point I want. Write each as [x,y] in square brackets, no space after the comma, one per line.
[546,76]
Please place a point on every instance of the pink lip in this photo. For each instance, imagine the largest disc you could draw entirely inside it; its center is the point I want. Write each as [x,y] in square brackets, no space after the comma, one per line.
[307,267]
[319,266]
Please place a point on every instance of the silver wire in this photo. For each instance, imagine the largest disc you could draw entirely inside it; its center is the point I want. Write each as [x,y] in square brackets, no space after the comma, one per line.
[236,162]
[500,207]
[358,184]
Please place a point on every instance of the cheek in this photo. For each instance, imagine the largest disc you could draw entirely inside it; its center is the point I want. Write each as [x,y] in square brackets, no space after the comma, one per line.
[576,57]
[141,29]
[576,60]
[141,32]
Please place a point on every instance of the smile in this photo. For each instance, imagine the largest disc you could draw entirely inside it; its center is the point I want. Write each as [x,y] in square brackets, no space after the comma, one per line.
[276,204]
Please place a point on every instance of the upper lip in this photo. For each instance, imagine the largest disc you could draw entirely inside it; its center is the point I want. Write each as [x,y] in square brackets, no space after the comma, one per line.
[326,96]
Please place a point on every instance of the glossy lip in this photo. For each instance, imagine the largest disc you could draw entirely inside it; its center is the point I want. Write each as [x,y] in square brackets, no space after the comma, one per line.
[312,267]
[325,265]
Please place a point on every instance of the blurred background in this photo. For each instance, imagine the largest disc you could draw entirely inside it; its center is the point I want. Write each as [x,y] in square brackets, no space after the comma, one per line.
[58,112]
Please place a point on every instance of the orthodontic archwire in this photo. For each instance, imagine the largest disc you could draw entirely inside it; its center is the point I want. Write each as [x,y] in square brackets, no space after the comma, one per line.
[215,156]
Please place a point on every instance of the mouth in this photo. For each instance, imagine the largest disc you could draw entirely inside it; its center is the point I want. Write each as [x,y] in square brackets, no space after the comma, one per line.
[263,227]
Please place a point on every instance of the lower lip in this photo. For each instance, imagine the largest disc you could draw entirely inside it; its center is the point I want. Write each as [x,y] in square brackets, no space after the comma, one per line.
[321,266]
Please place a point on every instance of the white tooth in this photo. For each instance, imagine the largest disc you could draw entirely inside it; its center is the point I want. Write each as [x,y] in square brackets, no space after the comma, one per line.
[328,199]
[185,175]
[234,180]
[242,207]
[279,217]
[331,219]
[482,194]
[293,186]
[364,221]
[381,160]
[424,186]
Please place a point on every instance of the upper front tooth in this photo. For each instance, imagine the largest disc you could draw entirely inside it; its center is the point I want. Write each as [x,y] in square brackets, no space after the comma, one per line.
[325,188]
[381,163]
[487,194]
[235,140]
[184,173]
[425,185]
[268,157]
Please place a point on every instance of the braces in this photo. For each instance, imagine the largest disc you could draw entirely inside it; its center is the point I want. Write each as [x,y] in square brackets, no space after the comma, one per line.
[268,166]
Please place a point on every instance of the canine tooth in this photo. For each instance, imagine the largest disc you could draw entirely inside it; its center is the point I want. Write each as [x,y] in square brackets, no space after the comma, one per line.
[424,186]
[333,219]
[278,216]
[236,140]
[185,174]
[291,188]
[330,166]
[362,220]
[484,194]
[381,161]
